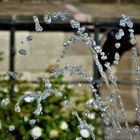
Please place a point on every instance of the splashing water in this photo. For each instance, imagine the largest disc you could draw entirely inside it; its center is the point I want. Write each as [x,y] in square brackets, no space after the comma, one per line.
[112,89]
[38,27]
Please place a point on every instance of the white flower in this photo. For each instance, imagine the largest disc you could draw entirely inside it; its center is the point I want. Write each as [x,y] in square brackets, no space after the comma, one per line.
[11,127]
[36,132]
[64,125]
[53,133]
[84,133]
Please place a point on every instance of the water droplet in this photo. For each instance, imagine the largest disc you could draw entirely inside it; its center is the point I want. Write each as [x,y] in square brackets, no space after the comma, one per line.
[89,103]
[29,38]
[48,85]
[68,103]
[104,57]
[11,127]
[107,121]
[102,53]
[132,35]
[5,102]
[84,133]
[58,60]
[122,23]
[131,30]
[136,130]
[47,18]
[35,18]
[118,36]
[133,41]
[23,52]
[116,62]
[74,24]
[66,15]
[17,108]
[94,90]
[74,39]
[29,97]
[81,30]
[121,32]
[26,118]
[38,27]
[32,121]
[117,45]
[56,16]
[91,116]
[117,56]
[58,94]
[22,42]
[130,24]
[38,110]
[107,64]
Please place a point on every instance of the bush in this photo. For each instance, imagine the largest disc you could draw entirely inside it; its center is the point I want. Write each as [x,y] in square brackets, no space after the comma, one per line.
[55,121]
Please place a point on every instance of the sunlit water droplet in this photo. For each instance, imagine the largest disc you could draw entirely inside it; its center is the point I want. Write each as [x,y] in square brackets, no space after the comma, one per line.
[74,24]
[133,41]
[136,130]
[17,108]
[38,110]
[26,118]
[23,52]
[84,133]
[5,102]
[68,103]
[66,15]
[56,16]
[29,97]
[117,45]
[117,56]
[47,18]
[38,27]
[58,94]
[29,38]
[48,85]
[32,121]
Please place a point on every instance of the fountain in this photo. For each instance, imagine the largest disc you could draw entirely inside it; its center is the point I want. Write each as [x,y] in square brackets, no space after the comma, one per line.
[107,106]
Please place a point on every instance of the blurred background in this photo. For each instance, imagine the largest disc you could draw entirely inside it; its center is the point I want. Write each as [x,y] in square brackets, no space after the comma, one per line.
[46,47]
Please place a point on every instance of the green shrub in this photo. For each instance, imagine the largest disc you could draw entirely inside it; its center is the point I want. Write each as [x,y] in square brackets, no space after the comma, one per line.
[53,115]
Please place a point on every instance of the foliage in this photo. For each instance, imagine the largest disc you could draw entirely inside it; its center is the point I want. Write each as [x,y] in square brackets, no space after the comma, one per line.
[53,114]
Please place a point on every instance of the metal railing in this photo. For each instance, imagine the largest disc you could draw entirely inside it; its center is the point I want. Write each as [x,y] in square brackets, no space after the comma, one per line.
[26,24]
